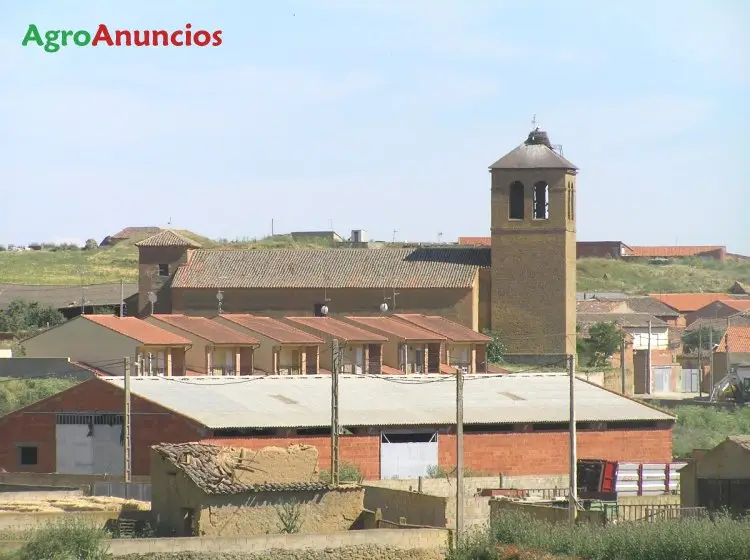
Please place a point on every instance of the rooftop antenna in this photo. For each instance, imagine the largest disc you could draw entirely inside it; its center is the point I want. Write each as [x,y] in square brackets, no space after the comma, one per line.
[395,231]
[440,236]
[169,222]
[534,122]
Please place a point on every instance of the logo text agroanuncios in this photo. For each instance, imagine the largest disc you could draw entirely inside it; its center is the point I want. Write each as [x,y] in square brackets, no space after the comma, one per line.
[54,39]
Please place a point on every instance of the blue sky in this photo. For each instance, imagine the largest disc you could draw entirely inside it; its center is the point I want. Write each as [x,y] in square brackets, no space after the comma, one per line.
[379,116]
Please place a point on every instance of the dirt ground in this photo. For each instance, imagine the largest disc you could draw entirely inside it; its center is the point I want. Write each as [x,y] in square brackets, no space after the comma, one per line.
[370,552]
[82,503]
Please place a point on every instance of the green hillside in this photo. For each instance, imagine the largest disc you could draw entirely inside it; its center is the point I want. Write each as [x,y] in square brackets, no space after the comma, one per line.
[119,262]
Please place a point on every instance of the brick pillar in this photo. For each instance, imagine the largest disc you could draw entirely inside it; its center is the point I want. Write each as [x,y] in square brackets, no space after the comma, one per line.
[168,361]
[366,358]
[303,360]
[473,358]
[237,361]
[209,360]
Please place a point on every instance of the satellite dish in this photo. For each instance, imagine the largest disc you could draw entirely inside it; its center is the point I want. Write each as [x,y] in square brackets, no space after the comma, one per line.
[152,297]
[324,310]
[220,295]
[384,307]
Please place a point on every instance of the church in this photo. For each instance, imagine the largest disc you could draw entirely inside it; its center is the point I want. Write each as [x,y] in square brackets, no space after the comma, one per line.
[523,286]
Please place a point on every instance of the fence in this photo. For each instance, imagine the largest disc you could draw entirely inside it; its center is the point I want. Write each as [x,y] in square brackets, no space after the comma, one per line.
[140,491]
[618,513]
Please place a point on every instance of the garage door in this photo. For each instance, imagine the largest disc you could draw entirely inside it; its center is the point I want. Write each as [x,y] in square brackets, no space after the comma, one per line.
[661,379]
[689,380]
[89,444]
[407,455]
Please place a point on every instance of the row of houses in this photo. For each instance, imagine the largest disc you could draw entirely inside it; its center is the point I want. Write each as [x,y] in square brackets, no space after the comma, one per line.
[242,344]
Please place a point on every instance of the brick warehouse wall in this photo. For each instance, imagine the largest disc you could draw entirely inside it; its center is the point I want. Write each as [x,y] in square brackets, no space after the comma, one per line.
[36,424]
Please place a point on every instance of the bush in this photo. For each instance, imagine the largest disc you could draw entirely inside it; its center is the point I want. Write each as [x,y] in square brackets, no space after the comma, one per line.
[66,540]
[348,472]
[696,539]
[437,471]
[17,393]
[495,349]
[700,427]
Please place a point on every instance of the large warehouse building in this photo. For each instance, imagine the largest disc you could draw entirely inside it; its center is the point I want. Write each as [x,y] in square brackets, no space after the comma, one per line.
[394,427]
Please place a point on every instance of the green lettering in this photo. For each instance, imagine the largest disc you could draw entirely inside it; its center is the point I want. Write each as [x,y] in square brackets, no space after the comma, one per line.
[50,45]
[82,38]
[32,34]
[65,36]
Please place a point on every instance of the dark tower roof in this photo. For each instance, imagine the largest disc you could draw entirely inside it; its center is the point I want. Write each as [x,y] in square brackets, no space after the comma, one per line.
[535,153]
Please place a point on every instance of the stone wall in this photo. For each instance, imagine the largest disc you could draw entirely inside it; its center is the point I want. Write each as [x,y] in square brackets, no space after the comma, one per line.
[375,544]
[543,512]
[15,522]
[413,507]
[260,513]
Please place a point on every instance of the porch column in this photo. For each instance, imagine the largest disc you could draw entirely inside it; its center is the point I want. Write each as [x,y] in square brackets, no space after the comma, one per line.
[366,358]
[276,351]
[209,360]
[237,361]
[473,358]
[427,358]
[168,361]
[448,355]
[303,360]
[317,360]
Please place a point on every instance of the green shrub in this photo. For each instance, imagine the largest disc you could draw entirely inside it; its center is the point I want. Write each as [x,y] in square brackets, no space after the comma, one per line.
[694,539]
[701,427]
[66,540]
[348,472]
[17,393]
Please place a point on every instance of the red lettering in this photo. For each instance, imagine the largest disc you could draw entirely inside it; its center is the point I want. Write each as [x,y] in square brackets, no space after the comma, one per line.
[202,38]
[174,39]
[217,39]
[144,42]
[102,34]
[188,35]
[122,35]
[155,35]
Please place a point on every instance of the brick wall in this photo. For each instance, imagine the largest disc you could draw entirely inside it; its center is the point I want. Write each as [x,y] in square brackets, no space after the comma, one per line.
[599,249]
[36,424]
[360,450]
[548,453]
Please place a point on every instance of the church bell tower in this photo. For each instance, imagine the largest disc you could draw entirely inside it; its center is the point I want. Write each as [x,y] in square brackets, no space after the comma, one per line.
[534,250]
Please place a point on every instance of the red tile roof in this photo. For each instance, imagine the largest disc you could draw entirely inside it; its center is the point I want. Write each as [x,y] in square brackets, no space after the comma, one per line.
[139,330]
[339,329]
[207,329]
[678,251]
[273,329]
[400,329]
[168,238]
[451,330]
[476,241]
[685,303]
[739,339]
[738,304]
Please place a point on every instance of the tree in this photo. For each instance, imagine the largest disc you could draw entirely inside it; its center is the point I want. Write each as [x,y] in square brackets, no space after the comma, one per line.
[27,316]
[90,245]
[495,349]
[702,336]
[603,341]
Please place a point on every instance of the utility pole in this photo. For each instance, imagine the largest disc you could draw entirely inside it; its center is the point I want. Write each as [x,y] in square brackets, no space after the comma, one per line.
[127,439]
[573,492]
[648,361]
[459,452]
[122,297]
[711,362]
[700,362]
[622,362]
[335,413]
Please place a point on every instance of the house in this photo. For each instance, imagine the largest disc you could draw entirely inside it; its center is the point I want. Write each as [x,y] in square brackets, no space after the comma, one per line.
[200,489]
[720,324]
[410,349]
[740,288]
[514,424]
[717,252]
[68,299]
[362,350]
[601,250]
[721,309]
[216,349]
[687,304]
[737,357]
[719,478]
[635,324]
[464,348]
[103,341]
[129,234]
[674,320]
[284,350]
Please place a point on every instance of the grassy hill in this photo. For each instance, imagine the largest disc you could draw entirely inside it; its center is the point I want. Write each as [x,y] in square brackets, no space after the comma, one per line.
[119,262]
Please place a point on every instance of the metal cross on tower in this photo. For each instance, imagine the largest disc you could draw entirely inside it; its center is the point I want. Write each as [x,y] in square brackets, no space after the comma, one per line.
[534,123]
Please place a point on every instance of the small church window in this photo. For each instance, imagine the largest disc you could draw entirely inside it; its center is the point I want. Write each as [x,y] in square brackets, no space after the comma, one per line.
[163,270]
[515,201]
[541,201]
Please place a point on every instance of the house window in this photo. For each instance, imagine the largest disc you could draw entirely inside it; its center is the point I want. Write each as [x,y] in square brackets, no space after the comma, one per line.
[541,201]
[28,455]
[163,269]
[515,201]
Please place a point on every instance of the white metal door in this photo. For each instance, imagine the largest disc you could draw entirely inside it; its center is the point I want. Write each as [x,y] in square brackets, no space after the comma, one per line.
[661,379]
[75,449]
[401,458]
[689,380]
[109,451]
[359,359]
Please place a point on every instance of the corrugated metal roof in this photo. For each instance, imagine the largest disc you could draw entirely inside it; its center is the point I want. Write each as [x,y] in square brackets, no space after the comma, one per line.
[369,400]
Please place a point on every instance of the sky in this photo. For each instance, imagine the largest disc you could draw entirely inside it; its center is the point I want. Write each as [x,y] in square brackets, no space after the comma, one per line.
[376,115]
